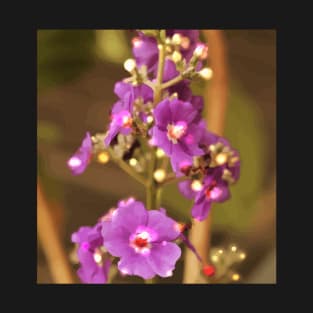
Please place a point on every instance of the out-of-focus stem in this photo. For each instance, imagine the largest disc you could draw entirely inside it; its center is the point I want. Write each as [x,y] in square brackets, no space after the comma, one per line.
[171,178]
[50,242]
[172,82]
[158,86]
[151,192]
[216,98]
[126,168]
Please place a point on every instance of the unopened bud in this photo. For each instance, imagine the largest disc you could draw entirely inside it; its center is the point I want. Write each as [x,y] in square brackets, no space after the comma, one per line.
[176,56]
[176,39]
[201,51]
[130,65]
[206,73]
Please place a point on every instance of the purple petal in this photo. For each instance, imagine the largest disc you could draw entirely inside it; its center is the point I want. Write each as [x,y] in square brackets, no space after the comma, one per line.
[80,160]
[161,140]
[185,188]
[163,225]
[113,131]
[182,111]
[117,107]
[81,235]
[182,89]
[163,258]
[87,143]
[223,193]
[201,210]
[146,52]
[179,155]
[170,70]
[135,264]
[162,114]
[130,216]
[121,88]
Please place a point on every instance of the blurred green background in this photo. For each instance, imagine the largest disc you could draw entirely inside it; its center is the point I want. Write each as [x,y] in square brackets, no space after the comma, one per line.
[77,70]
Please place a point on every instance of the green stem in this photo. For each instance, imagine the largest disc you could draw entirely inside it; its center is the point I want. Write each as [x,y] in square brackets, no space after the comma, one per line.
[126,168]
[151,187]
[171,178]
[172,82]
[158,86]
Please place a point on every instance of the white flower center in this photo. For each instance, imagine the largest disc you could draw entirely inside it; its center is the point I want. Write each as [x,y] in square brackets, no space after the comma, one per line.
[176,131]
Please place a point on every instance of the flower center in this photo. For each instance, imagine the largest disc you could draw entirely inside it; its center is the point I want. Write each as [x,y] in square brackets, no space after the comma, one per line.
[210,192]
[127,121]
[176,131]
[141,242]
[97,257]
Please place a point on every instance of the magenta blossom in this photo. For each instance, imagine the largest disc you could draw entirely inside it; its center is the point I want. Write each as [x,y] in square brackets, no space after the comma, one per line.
[212,191]
[176,130]
[142,240]
[80,160]
[122,110]
[220,166]
[145,48]
[94,267]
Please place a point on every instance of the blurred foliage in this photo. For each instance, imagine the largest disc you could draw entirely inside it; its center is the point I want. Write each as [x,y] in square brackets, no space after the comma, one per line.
[63,54]
[48,132]
[112,46]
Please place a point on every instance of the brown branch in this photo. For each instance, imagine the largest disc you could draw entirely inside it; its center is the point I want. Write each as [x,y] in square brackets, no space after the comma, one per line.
[216,100]
[50,242]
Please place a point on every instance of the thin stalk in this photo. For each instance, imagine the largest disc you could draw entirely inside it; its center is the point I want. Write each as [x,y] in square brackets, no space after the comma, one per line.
[171,178]
[158,85]
[126,168]
[152,192]
[172,82]
[151,187]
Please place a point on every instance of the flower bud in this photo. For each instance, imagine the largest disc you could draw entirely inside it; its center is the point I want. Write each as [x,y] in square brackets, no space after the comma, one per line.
[176,56]
[177,39]
[201,51]
[130,65]
[206,73]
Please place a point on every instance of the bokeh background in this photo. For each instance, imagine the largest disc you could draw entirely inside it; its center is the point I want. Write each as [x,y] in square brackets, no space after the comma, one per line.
[77,70]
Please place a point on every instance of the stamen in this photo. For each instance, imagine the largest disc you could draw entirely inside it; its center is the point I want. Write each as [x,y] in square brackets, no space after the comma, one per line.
[176,131]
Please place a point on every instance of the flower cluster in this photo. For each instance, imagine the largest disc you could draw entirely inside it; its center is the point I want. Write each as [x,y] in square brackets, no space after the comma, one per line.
[143,240]
[156,114]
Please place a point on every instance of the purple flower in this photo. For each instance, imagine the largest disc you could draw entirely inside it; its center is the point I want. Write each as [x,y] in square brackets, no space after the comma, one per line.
[145,51]
[176,130]
[142,240]
[213,190]
[220,166]
[190,38]
[121,113]
[122,90]
[94,268]
[145,48]
[221,155]
[79,161]
[121,122]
